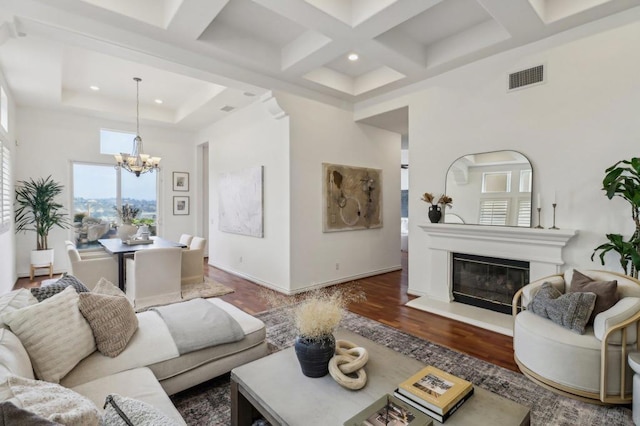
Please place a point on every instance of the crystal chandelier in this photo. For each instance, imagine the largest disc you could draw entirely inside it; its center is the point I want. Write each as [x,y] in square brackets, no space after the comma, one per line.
[137,162]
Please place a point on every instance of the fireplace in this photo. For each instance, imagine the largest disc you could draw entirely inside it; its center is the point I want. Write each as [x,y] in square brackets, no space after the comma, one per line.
[487,282]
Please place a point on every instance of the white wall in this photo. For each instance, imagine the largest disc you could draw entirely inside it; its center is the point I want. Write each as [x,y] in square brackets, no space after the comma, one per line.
[583,120]
[48,141]
[7,239]
[252,137]
[295,254]
[324,134]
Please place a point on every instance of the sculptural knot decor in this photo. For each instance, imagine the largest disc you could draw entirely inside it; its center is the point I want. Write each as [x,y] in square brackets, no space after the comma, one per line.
[349,361]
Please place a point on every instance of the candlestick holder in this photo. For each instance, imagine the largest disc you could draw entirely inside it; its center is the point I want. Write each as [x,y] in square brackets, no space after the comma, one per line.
[539,226]
[554,217]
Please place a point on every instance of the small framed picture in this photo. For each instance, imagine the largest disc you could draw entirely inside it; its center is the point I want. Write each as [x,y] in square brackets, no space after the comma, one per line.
[180,205]
[181,181]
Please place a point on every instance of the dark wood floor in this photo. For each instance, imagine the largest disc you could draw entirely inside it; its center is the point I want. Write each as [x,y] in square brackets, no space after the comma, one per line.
[386,296]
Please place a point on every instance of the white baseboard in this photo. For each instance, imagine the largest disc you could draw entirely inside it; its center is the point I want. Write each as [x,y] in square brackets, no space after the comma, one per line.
[313,286]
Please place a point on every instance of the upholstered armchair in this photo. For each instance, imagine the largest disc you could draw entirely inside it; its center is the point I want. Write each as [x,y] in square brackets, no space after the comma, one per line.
[591,366]
[153,276]
[192,262]
[90,269]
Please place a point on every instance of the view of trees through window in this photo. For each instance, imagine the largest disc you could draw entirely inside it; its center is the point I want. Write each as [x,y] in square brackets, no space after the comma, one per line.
[98,189]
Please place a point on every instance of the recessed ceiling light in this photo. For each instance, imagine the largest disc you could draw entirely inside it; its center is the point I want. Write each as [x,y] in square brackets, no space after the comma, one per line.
[94,88]
[158,101]
[249,94]
[353,56]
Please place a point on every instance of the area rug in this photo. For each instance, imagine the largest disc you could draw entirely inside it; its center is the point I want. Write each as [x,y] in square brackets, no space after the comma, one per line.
[208,288]
[209,403]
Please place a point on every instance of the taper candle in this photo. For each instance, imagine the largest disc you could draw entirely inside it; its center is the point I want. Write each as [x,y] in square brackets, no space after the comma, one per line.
[539,204]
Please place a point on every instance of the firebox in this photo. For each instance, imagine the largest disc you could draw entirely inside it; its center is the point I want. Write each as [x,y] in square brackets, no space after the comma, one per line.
[487,282]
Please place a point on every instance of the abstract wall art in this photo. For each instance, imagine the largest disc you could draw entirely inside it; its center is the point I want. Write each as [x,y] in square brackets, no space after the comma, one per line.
[240,202]
[352,198]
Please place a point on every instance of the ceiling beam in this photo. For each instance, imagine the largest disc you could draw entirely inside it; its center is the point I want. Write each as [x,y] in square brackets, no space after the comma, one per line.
[194,16]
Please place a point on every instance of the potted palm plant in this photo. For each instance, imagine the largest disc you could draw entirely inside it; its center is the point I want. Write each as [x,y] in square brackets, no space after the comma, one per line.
[38,211]
[623,180]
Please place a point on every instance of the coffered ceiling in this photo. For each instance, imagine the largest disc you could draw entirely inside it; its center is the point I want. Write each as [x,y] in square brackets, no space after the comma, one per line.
[202,57]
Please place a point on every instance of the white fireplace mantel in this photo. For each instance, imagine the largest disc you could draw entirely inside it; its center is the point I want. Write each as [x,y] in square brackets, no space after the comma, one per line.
[528,244]
[542,248]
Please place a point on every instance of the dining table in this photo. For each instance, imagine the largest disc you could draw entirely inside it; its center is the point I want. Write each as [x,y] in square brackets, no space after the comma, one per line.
[121,248]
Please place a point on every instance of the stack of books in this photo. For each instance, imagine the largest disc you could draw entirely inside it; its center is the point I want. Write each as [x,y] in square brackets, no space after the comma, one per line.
[434,392]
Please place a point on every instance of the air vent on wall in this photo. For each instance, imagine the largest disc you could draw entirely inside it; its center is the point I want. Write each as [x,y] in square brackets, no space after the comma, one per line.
[526,77]
[227,108]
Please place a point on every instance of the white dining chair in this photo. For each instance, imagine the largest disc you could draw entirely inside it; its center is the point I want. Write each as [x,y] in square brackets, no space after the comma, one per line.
[185,239]
[153,276]
[192,270]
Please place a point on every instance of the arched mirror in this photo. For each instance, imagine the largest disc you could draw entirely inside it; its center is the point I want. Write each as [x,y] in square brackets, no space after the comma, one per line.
[490,188]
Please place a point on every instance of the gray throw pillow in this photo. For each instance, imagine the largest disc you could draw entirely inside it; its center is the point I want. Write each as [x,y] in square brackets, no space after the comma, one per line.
[570,310]
[42,293]
[123,411]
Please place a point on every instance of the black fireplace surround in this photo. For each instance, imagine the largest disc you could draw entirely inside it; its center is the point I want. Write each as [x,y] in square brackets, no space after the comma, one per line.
[487,282]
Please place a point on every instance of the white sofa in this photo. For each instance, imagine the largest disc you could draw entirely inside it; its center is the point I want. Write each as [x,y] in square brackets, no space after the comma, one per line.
[591,366]
[150,367]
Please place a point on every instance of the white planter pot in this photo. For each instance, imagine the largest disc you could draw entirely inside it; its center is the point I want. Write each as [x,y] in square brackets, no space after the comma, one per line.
[42,258]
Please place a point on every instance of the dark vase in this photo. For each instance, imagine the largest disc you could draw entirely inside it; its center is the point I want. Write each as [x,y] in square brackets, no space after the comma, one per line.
[314,355]
[435,213]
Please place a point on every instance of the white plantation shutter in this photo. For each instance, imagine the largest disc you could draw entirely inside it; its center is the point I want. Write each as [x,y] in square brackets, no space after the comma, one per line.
[5,189]
[524,213]
[494,212]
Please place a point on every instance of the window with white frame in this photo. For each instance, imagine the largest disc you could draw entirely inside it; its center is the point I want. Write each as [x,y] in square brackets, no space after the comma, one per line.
[496,182]
[5,188]
[524,213]
[98,189]
[525,180]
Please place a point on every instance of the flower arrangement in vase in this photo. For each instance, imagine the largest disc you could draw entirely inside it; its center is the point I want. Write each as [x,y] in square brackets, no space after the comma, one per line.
[316,315]
[435,209]
[127,214]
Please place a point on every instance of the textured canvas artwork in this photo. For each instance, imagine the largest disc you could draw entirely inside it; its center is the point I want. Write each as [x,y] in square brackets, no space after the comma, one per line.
[240,202]
[352,197]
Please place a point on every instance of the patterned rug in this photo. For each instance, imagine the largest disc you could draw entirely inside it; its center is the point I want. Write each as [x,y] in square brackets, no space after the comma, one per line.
[209,403]
[208,288]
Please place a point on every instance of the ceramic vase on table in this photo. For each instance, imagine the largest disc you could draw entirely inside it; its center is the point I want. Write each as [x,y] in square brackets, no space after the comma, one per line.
[125,231]
[435,213]
[314,354]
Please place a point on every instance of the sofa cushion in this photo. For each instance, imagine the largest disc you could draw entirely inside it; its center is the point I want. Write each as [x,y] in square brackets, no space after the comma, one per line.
[14,300]
[606,291]
[122,410]
[52,401]
[570,310]
[12,415]
[14,358]
[111,319]
[42,293]
[138,383]
[54,333]
[150,344]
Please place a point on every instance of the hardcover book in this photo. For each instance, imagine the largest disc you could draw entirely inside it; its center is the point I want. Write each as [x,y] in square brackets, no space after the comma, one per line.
[389,411]
[435,389]
[439,417]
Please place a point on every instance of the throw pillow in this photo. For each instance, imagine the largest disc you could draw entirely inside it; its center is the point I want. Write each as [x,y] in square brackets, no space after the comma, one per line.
[53,402]
[12,415]
[606,292]
[570,310]
[111,319]
[15,300]
[54,333]
[105,286]
[42,293]
[120,410]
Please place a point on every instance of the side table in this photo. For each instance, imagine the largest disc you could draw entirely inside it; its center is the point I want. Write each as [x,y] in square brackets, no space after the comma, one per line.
[634,363]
